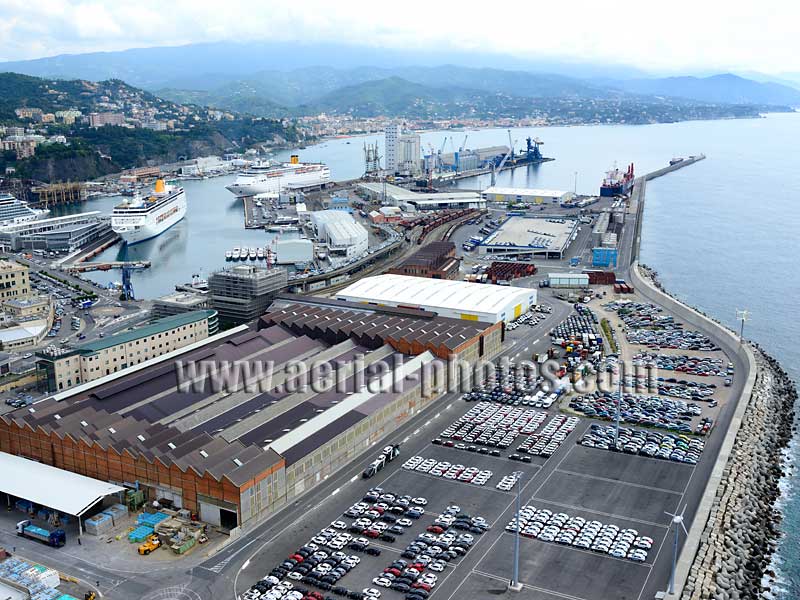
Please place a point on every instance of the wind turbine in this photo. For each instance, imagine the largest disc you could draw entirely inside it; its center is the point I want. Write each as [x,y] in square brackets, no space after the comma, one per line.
[677,519]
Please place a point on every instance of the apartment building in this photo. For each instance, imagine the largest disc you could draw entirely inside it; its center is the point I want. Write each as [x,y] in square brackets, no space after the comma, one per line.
[59,370]
[14,280]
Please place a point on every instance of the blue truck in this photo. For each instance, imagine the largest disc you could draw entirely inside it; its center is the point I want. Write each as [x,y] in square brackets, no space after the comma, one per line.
[55,538]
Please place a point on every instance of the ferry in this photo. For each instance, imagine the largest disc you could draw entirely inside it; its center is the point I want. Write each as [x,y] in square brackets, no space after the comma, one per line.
[141,219]
[267,177]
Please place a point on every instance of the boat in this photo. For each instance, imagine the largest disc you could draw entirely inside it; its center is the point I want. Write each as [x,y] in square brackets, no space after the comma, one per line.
[260,253]
[13,211]
[253,254]
[141,219]
[228,255]
[268,177]
[617,183]
[236,254]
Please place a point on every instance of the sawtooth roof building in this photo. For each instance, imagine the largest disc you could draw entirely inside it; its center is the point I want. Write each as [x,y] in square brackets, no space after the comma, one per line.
[235,454]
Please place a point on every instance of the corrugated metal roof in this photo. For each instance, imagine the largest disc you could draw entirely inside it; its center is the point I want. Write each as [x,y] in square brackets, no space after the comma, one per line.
[461,296]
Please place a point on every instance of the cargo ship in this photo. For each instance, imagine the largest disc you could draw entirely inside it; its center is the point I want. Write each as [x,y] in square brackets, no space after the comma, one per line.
[617,183]
[140,219]
[262,178]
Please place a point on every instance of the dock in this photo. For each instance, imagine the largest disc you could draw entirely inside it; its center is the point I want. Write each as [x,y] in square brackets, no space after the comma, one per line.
[106,266]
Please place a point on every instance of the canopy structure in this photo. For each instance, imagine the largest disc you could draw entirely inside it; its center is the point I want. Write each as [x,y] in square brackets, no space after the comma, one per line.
[66,492]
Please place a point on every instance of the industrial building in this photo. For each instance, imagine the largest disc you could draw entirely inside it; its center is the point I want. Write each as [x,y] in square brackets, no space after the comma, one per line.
[340,233]
[568,280]
[407,199]
[436,260]
[240,452]
[531,236]
[525,195]
[57,234]
[407,330]
[455,299]
[60,369]
[242,293]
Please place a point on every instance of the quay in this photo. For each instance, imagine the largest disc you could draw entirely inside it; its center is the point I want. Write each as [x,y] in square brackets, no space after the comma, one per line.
[106,266]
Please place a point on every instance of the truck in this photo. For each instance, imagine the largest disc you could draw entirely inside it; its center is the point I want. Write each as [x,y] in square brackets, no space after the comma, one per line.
[151,543]
[55,538]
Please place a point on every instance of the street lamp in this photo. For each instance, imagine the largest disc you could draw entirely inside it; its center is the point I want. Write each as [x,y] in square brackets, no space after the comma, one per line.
[742,316]
[514,585]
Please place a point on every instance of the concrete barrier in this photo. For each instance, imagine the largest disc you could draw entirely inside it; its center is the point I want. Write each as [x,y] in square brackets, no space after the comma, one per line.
[730,344]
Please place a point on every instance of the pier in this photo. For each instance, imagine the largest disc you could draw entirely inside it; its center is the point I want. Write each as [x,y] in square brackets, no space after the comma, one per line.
[106,266]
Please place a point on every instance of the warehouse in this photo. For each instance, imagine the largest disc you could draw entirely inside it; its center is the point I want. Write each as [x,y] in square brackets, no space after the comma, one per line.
[531,236]
[340,232]
[292,251]
[455,299]
[407,330]
[387,193]
[237,452]
[568,280]
[525,195]
[436,260]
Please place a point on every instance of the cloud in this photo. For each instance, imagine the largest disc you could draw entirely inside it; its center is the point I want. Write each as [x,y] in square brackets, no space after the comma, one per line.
[673,36]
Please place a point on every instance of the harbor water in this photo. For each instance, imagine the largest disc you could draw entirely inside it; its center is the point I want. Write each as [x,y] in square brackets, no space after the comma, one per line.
[721,233]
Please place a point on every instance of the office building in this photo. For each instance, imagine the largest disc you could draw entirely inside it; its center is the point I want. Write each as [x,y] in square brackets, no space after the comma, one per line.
[392,132]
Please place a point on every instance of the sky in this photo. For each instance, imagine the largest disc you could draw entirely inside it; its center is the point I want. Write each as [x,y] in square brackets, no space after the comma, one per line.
[674,36]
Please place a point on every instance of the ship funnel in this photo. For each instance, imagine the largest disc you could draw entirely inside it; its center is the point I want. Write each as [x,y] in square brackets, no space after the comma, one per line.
[295,159]
[159,186]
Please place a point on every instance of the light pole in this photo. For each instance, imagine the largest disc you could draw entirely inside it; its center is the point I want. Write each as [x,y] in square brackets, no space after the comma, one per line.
[575,190]
[742,316]
[677,519]
[514,585]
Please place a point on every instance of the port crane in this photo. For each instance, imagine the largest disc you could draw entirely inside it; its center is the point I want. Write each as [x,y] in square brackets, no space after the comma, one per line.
[532,150]
[497,168]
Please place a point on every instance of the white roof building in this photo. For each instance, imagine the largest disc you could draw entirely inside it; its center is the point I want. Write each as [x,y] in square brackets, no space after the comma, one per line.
[339,230]
[535,195]
[396,195]
[455,299]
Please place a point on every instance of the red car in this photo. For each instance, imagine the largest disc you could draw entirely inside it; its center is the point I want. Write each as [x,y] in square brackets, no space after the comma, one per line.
[371,533]
[435,529]
[297,557]
[421,586]
[393,571]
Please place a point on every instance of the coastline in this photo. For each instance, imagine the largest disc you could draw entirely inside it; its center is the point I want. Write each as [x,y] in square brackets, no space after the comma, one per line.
[734,554]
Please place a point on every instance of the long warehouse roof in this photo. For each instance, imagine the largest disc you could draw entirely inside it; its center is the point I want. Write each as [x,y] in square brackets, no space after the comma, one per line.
[511,191]
[66,492]
[420,291]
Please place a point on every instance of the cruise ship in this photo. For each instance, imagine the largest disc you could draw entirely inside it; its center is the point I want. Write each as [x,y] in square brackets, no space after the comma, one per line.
[269,178]
[13,211]
[140,219]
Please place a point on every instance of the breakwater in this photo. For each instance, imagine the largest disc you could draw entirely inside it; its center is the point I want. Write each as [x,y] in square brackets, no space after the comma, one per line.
[740,535]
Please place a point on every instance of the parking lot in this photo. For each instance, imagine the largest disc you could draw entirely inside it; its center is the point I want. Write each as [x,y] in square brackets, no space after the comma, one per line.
[622,490]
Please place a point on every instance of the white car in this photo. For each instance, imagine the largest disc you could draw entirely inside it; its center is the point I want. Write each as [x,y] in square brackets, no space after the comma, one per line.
[371,593]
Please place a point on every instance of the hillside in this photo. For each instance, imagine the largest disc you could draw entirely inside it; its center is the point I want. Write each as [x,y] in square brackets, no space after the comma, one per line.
[726,88]
[155,130]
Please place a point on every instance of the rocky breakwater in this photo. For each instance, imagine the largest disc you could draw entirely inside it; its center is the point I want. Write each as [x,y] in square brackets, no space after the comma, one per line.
[742,529]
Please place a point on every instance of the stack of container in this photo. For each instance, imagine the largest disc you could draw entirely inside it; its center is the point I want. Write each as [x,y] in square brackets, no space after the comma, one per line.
[601,277]
[146,524]
[40,581]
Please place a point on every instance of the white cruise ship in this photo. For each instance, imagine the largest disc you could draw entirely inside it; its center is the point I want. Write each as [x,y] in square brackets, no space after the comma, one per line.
[140,219]
[264,178]
[13,211]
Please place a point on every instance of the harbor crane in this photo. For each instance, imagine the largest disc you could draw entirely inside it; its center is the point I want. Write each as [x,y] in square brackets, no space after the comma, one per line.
[497,168]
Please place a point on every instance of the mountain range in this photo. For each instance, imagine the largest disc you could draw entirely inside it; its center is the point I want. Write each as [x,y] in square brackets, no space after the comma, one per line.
[286,79]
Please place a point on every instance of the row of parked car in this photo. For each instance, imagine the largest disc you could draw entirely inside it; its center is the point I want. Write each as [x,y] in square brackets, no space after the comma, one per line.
[703,366]
[446,470]
[688,390]
[646,324]
[507,483]
[560,528]
[494,425]
[652,444]
[546,442]
[651,411]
